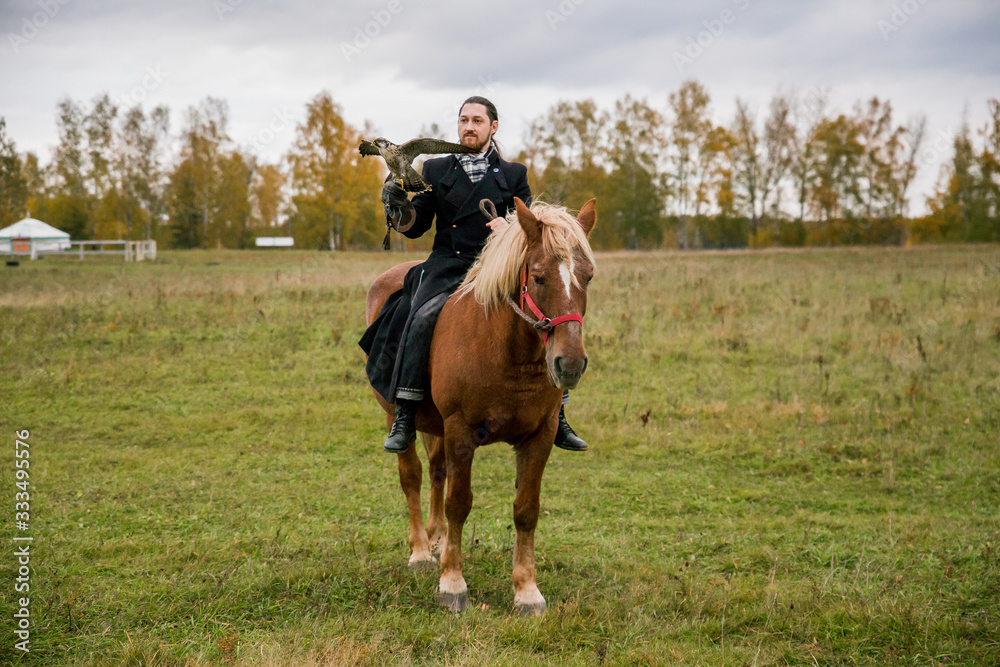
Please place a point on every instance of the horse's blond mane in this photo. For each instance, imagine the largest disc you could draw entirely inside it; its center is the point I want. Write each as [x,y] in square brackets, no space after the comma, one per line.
[497,271]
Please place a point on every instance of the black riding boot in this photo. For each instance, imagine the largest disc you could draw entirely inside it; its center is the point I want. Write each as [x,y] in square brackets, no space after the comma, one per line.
[566,437]
[404,429]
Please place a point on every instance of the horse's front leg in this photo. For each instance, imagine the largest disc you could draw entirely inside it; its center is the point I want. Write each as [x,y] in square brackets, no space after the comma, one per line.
[459,451]
[531,459]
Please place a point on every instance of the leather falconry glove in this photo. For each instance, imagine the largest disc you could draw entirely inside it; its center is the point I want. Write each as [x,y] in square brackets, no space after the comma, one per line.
[396,206]
[394,195]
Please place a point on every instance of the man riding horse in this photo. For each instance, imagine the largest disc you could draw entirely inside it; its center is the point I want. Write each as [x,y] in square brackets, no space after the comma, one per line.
[398,342]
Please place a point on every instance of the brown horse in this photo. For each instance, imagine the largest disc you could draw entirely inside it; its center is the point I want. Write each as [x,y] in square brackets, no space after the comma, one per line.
[497,374]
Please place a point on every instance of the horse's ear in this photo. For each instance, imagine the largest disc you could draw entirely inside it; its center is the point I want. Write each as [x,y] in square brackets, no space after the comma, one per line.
[529,223]
[588,216]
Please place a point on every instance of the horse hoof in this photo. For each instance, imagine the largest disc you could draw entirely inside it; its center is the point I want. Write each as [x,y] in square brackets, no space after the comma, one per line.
[421,566]
[535,609]
[454,602]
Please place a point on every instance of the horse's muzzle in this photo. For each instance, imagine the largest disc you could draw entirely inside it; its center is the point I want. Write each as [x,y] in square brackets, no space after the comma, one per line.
[567,371]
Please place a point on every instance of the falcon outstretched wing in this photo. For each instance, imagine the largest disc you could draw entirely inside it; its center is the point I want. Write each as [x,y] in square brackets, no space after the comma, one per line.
[432,146]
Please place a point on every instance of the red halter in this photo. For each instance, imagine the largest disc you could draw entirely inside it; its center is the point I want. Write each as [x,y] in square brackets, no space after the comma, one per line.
[543,324]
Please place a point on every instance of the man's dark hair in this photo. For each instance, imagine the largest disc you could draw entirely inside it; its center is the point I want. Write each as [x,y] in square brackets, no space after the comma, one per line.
[491,110]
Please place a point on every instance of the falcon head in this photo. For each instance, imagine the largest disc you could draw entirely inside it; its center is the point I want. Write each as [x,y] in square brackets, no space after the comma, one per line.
[382,142]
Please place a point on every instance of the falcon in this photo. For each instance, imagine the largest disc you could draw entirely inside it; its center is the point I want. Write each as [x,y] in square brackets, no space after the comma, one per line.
[399,159]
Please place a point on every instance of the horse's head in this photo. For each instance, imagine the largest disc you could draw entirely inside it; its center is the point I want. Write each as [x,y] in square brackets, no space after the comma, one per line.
[559,266]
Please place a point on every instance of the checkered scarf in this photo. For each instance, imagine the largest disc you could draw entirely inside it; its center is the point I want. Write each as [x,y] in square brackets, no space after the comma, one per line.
[475,165]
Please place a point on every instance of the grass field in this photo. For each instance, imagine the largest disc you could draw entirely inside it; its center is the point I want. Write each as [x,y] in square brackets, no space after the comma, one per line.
[794,460]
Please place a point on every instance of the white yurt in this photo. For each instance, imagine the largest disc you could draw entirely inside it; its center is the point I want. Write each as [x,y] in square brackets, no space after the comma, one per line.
[31,236]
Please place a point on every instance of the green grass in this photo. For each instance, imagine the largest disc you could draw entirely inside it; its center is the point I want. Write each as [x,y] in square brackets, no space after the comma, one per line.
[817,483]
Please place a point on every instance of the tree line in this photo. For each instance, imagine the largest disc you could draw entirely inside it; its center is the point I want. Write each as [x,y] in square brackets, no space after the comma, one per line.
[797,174]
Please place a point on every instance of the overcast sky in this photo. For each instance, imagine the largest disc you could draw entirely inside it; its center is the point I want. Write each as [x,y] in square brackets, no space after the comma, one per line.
[419,59]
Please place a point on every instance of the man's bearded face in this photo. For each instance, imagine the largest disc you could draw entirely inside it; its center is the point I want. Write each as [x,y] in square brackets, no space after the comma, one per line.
[474,127]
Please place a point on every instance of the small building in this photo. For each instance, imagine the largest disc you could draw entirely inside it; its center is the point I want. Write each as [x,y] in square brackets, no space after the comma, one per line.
[31,237]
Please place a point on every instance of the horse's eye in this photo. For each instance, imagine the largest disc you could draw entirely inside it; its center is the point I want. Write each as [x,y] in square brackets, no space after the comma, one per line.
[538,280]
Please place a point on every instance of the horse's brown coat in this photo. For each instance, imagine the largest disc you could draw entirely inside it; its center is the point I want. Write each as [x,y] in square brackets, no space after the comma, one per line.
[491,380]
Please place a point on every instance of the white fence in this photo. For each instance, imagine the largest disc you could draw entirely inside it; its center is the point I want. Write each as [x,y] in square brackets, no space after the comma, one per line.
[133,251]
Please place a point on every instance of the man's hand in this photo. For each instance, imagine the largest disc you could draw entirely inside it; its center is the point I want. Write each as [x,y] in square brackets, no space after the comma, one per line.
[497,224]
[393,195]
[398,209]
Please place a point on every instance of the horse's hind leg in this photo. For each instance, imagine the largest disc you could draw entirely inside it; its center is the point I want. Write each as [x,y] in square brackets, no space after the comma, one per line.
[437,526]
[421,558]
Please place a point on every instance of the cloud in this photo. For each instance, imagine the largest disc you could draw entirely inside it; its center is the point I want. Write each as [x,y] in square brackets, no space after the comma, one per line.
[412,62]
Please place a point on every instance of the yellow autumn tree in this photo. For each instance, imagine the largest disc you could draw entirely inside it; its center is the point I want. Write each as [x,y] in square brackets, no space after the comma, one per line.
[267,193]
[335,193]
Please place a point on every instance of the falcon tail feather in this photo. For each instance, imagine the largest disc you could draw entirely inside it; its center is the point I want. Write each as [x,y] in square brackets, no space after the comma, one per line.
[413,181]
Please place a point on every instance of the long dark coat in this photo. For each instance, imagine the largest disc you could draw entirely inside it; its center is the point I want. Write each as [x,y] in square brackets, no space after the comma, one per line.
[453,203]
